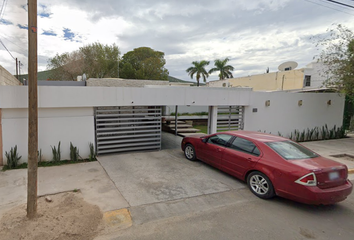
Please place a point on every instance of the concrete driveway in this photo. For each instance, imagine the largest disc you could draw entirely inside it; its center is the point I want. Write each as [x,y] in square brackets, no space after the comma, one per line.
[153,177]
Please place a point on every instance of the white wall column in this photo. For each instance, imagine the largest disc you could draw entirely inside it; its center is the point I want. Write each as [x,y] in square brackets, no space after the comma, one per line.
[212,119]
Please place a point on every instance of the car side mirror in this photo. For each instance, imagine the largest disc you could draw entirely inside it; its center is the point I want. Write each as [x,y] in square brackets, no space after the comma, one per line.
[204,140]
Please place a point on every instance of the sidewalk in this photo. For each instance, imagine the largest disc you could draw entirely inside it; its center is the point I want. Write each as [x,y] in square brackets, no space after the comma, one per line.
[90,178]
[340,150]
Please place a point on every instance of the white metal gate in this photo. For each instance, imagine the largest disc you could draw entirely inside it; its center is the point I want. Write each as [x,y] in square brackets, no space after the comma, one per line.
[120,129]
[230,118]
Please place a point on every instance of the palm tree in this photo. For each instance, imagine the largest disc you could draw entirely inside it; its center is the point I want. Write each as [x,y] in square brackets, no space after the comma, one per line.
[225,70]
[199,69]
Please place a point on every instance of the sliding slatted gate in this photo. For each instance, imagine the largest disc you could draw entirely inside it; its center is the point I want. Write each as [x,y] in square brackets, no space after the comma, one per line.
[121,129]
[230,118]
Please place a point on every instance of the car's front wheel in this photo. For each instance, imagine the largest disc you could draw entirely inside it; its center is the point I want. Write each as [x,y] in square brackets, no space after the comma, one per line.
[189,152]
[260,185]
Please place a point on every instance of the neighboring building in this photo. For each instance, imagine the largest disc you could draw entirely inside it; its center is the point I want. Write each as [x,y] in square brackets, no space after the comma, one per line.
[304,78]
[119,82]
[7,78]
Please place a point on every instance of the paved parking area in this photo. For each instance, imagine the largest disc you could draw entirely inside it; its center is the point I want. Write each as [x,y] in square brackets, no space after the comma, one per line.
[153,177]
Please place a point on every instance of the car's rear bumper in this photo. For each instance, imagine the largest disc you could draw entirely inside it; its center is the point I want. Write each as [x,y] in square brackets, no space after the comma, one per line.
[318,196]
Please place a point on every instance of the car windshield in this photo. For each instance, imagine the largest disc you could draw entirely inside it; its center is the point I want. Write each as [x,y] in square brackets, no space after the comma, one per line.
[291,151]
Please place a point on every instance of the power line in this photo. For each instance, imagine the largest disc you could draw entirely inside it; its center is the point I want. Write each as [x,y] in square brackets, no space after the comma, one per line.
[7,50]
[330,7]
[3,7]
[331,4]
[340,3]
[13,43]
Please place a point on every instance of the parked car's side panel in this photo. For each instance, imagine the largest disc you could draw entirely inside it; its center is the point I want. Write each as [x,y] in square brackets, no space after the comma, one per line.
[274,165]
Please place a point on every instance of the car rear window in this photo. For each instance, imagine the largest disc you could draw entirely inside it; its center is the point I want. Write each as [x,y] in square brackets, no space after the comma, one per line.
[291,151]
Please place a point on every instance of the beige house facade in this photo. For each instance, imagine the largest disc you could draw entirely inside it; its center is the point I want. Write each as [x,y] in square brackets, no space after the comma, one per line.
[302,78]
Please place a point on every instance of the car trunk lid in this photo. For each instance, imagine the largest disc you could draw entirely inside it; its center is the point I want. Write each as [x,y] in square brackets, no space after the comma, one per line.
[328,173]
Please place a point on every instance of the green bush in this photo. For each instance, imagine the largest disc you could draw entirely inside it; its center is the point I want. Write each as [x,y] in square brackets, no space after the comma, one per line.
[56,153]
[39,155]
[74,153]
[12,158]
[92,156]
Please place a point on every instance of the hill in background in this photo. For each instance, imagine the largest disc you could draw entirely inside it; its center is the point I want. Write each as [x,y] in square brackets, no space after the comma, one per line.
[44,75]
[173,79]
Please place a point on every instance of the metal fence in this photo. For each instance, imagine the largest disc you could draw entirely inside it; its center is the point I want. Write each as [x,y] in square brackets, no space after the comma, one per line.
[120,129]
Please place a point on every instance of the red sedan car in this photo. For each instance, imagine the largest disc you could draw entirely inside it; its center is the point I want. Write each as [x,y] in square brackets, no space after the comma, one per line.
[272,165]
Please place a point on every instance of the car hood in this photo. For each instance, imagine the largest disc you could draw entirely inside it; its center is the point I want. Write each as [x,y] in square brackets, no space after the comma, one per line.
[316,163]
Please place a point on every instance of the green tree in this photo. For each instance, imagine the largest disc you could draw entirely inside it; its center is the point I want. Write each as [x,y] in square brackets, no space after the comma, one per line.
[143,63]
[95,60]
[198,68]
[66,66]
[100,61]
[337,54]
[220,66]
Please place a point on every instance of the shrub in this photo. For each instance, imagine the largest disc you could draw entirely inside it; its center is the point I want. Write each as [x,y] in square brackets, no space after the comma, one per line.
[56,153]
[92,156]
[74,153]
[12,158]
[39,155]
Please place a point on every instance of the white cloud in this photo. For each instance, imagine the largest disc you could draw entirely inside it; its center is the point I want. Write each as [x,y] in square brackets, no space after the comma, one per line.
[253,34]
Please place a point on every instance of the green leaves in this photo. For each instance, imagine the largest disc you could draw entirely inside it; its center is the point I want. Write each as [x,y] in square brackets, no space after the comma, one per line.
[337,54]
[220,66]
[95,60]
[225,70]
[198,69]
[56,153]
[143,63]
[12,158]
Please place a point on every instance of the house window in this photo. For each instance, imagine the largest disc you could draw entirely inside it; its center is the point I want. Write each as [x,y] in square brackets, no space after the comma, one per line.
[307,80]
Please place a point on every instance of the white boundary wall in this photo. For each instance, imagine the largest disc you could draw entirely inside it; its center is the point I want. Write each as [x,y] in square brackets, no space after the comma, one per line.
[284,115]
[66,113]
[67,125]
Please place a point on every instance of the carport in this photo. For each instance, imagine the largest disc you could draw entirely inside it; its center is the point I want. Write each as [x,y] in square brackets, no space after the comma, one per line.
[139,127]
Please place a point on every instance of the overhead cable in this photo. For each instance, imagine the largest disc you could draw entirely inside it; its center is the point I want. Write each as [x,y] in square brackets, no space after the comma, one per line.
[7,50]
[340,3]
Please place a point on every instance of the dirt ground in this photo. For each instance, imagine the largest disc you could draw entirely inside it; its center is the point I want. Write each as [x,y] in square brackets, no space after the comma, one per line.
[67,217]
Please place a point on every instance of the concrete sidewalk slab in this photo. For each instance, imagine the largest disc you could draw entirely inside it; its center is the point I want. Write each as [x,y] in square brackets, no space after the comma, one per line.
[90,178]
[151,177]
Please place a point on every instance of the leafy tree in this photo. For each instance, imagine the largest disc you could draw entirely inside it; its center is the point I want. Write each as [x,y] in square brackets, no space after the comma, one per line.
[198,68]
[225,70]
[100,61]
[95,60]
[338,57]
[66,66]
[143,63]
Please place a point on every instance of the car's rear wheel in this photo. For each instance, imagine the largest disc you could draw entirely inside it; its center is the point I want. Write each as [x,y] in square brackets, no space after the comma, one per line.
[189,152]
[260,185]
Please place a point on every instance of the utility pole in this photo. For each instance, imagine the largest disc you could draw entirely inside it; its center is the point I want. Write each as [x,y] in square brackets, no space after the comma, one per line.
[32,110]
[16,69]
[118,65]
[19,70]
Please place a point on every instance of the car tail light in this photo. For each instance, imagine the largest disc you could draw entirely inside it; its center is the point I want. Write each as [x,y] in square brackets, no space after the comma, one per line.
[307,180]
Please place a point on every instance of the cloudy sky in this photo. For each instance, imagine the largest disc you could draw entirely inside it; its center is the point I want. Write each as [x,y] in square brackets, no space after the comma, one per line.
[254,34]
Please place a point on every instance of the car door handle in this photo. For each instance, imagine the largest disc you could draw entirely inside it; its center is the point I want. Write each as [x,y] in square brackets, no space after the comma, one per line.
[249,159]
[219,150]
